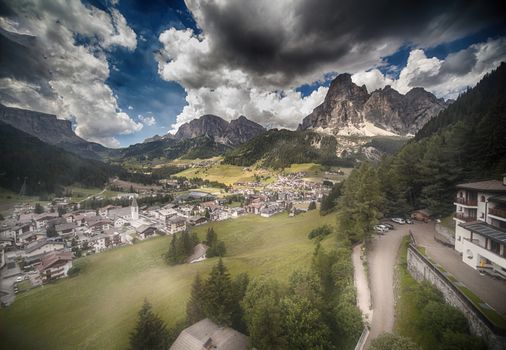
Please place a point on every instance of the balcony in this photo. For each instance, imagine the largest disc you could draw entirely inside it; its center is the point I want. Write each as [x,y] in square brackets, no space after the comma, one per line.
[467,202]
[463,217]
[497,212]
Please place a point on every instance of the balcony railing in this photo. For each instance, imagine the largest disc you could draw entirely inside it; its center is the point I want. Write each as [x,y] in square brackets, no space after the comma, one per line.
[463,217]
[497,212]
[465,201]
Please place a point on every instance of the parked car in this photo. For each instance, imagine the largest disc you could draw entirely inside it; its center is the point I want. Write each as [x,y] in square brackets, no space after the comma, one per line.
[409,221]
[380,229]
[387,225]
[399,221]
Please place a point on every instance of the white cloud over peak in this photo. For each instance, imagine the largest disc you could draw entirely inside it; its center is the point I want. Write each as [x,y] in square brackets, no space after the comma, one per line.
[56,73]
[445,78]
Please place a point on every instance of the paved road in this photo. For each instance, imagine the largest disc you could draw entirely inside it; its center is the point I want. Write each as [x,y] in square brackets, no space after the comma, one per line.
[490,290]
[361,283]
[382,258]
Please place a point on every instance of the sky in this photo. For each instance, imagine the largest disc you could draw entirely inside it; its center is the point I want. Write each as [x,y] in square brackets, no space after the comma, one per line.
[125,70]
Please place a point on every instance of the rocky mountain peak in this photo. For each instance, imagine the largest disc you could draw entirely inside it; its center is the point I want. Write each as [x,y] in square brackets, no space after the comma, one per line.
[350,109]
[231,133]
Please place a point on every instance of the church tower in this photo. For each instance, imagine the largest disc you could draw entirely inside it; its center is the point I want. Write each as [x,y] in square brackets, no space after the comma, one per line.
[134,209]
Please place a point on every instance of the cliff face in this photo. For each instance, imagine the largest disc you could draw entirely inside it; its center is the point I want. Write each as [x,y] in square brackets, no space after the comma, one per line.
[231,133]
[349,109]
[44,126]
[54,131]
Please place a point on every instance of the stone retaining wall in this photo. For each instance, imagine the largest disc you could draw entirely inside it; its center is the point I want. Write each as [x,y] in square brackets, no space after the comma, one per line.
[422,269]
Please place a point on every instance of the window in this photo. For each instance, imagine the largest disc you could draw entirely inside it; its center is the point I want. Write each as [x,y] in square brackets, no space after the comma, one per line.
[482,199]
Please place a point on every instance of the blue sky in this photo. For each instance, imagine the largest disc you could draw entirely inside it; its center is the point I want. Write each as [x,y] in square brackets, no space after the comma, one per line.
[125,70]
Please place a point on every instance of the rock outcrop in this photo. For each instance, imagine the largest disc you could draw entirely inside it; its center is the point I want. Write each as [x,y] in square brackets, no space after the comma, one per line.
[349,109]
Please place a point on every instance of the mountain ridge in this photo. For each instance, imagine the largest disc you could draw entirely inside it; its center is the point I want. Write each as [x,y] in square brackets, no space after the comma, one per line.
[348,109]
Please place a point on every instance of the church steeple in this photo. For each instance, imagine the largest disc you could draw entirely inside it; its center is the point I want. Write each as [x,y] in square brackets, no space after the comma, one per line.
[134,209]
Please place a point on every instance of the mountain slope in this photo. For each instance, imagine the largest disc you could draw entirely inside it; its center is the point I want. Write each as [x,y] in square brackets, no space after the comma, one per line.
[465,143]
[350,110]
[280,148]
[52,130]
[44,166]
[231,133]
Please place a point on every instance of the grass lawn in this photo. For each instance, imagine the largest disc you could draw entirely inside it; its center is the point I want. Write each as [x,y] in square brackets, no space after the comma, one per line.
[98,308]
[224,173]
[8,199]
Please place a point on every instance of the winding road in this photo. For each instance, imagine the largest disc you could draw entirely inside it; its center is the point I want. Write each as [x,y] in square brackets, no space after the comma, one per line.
[382,258]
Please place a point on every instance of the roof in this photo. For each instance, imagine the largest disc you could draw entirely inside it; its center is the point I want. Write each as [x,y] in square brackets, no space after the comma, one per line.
[176,220]
[213,336]
[485,186]
[486,230]
[498,199]
[425,212]
[40,243]
[198,252]
[52,258]
[66,226]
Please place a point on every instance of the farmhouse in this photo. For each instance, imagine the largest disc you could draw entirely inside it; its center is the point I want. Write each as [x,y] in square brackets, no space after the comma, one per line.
[206,334]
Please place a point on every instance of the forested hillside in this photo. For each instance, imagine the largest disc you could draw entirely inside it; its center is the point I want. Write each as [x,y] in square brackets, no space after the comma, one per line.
[280,148]
[466,142]
[45,167]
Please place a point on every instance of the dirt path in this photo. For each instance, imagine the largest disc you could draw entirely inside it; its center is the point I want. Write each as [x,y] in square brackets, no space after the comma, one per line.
[382,258]
[361,283]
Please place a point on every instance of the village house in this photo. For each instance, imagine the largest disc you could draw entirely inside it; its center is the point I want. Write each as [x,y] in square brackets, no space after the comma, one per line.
[176,224]
[146,231]
[55,265]
[42,219]
[41,247]
[197,220]
[421,215]
[480,225]
[66,230]
[206,334]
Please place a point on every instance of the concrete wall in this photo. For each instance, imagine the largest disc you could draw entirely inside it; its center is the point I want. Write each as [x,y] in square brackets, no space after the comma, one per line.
[421,269]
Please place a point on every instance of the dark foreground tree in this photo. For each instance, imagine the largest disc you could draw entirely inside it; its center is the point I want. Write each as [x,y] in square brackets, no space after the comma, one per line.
[219,297]
[150,333]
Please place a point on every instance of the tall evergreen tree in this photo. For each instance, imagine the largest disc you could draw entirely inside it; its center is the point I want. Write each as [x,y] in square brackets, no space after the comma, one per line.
[150,332]
[195,306]
[219,296]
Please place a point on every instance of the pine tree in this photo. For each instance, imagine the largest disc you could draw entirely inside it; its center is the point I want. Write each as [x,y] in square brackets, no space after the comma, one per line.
[39,209]
[219,296]
[171,255]
[150,332]
[195,306]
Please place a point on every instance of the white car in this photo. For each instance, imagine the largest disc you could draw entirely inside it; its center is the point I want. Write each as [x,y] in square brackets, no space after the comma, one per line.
[19,279]
[380,228]
[399,221]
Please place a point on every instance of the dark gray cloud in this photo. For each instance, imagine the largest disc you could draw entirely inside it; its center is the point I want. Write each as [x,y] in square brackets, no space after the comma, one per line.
[290,38]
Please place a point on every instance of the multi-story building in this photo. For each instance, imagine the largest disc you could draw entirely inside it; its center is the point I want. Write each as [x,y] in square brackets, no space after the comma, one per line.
[480,225]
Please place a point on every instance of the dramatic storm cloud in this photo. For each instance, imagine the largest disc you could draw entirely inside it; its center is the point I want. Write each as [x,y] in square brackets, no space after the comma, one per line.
[250,56]
[54,60]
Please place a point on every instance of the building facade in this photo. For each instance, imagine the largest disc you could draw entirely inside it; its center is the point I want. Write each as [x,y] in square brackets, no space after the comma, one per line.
[480,225]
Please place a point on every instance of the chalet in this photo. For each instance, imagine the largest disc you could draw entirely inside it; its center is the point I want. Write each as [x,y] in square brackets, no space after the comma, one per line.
[197,220]
[55,265]
[42,219]
[176,224]
[31,236]
[255,207]
[480,225]
[43,246]
[66,230]
[98,224]
[270,210]
[206,334]
[146,231]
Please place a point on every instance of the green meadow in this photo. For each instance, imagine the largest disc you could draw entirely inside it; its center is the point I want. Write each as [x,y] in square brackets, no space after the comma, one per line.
[97,309]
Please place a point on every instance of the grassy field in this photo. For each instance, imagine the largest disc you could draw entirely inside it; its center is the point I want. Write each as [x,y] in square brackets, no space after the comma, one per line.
[9,199]
[97,309]
[230,174]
